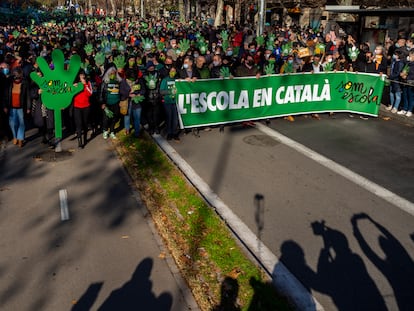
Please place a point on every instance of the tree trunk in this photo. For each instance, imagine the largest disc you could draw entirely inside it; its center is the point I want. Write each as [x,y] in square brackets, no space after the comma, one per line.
[181,10]
[113,7]
[219,13]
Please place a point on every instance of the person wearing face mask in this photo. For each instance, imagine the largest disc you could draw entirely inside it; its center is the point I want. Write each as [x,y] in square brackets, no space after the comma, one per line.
[152,99]
[288,65]
[168,91]
[113,89]
[314,65]
[16,105]
[172,50]
[247,68]
[202,68]
[395,87]
[216,66]
[137,89]
[188,71]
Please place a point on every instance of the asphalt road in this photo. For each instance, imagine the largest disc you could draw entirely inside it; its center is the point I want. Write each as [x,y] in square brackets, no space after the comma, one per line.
[350,247]
[104,255]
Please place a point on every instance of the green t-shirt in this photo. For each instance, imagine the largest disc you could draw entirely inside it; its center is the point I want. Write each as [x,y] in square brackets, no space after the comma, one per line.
[113,96]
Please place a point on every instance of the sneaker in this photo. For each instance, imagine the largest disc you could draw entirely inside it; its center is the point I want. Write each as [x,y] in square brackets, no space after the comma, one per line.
[402,112]
[394,110]
[112,135]
[105,134]
[408,114]
[388,107]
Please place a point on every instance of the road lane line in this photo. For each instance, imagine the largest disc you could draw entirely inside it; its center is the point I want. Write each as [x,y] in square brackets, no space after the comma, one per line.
[282,278]
[64,210]
[361,181]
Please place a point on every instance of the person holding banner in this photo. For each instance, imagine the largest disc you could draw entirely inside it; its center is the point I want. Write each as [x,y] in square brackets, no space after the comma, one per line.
[168,91]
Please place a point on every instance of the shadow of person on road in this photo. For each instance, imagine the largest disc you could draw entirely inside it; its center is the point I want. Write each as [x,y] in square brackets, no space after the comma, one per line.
[342,274]
[136,294]
[293,260]
[397,266]
[87,300]
[228,292]
[264,297]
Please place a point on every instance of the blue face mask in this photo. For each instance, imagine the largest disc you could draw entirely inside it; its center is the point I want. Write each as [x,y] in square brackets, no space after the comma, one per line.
[185,66]
[229,53]
[6,71]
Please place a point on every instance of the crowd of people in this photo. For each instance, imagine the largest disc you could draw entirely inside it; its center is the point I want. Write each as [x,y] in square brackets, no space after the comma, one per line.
[129,67]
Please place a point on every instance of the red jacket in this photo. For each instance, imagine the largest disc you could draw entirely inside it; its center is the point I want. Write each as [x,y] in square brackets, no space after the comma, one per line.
[81,100]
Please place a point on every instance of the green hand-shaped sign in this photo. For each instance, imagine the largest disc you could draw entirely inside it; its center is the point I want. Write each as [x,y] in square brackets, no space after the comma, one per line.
[57,84]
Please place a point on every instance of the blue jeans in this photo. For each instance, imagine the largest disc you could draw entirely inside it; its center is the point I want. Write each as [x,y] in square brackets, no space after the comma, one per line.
[395,99]
[16,122]
[408,96]
[136,118]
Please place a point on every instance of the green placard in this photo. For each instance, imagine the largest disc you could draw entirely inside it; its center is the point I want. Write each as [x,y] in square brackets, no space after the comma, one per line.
[218,101]
[57,84]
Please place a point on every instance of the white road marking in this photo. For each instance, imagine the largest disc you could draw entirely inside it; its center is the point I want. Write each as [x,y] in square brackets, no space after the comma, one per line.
[361,181]
[64,210]
[283,279]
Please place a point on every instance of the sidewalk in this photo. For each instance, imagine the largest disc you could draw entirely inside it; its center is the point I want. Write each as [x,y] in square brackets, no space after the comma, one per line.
[105,255]
[384,113]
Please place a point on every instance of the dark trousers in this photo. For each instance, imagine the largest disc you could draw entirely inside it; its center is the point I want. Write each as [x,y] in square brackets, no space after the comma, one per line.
[110,122]
[153,116]
[81,116]
[171,115]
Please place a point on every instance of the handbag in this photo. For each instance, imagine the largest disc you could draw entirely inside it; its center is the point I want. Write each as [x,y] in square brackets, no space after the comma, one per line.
[123,107]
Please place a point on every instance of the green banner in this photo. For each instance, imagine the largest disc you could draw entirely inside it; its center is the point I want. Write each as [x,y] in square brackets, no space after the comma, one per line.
[218,101]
